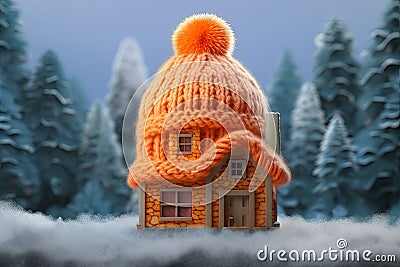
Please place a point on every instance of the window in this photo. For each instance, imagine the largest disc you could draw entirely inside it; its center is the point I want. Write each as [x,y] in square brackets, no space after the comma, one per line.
[237,168]
[185,143]
[176,204]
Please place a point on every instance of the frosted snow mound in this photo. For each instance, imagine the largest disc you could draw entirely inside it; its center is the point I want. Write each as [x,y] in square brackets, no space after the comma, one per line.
[57,95]
[5,45]
[52,79]
[4,23]
[379,70]
[28,239]
[392,36]
[379,32]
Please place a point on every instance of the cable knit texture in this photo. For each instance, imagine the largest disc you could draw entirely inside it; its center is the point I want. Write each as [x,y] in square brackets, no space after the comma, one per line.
[202,87]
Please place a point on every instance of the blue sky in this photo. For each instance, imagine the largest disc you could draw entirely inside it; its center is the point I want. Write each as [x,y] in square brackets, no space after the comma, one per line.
[86,34]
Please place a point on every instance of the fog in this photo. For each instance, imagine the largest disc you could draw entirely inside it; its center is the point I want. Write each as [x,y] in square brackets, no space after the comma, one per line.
[85,34]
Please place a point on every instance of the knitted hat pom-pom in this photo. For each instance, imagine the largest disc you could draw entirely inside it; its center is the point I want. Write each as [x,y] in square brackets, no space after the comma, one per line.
[203,33]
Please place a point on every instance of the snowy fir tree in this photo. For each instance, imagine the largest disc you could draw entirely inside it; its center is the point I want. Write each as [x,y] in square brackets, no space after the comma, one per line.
[12,49]
[394,212]
[49,113]
[336,73]
[80,102]
[379,140]
[382,64]
[337,192]
[102,174]
[19,180]
[18,175]
[283,93]
[308,126]
[379,153]
[128,74]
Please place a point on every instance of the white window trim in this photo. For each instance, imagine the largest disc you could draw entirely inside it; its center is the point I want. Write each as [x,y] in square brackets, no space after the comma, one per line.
[191,143]
[176,204]
[244,164]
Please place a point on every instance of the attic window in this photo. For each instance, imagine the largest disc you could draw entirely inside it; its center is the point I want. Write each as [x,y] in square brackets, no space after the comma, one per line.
[176,204]
[185,143]
[237,168]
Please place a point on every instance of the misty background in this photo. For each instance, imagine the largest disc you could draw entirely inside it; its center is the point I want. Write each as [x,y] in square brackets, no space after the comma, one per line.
[61,114]
[86,34]
[335,85]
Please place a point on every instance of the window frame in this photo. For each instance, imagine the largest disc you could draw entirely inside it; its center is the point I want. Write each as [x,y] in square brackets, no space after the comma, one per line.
[230,168]
[185,144]
[176,204]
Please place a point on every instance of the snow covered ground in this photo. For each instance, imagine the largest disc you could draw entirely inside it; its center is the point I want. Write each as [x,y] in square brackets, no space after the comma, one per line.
[28,239]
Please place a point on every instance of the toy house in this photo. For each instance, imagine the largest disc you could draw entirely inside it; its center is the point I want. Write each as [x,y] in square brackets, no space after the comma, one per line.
[208,150]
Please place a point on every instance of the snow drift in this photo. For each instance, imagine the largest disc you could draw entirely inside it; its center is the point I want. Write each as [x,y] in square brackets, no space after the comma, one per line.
[28,239]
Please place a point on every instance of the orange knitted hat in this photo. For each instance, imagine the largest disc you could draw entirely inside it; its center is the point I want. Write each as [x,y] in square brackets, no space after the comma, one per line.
[202,89]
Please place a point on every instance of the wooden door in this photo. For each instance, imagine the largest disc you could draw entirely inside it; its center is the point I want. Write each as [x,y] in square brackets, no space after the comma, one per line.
[236,211]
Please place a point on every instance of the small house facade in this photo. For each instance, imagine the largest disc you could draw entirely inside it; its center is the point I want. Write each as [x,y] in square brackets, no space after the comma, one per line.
[207,147]
[222,199]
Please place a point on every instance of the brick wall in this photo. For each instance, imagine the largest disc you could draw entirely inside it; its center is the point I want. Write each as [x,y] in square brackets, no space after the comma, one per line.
[243,184]
[153,208]
[220,182]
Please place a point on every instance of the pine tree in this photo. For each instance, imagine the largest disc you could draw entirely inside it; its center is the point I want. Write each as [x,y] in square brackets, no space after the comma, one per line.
[50,114]
[283,93]
[394,212]
[12,49]
[18,176]
[379,140]
[128,74]
[338,194]
[80,102]
[335,73]
[308,126]
[101,171]
[382,64]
